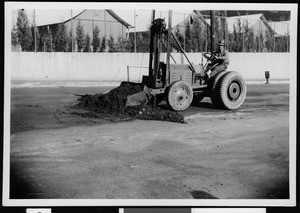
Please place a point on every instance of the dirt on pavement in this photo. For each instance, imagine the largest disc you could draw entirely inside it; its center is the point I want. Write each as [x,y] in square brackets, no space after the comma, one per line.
[113,103]
[218,154]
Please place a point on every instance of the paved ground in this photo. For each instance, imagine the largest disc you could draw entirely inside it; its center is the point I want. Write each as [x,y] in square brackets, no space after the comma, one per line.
[241,154]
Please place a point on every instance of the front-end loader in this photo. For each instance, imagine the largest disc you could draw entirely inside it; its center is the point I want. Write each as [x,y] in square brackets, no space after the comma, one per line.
[181,84]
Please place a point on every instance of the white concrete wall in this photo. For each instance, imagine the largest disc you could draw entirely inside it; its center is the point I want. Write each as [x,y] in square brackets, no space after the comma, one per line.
[113,66]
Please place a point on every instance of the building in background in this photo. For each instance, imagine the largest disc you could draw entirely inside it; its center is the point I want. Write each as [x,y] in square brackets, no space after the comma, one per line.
[108,22]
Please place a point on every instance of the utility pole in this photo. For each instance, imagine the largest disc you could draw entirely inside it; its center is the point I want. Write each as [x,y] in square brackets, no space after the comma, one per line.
[134,31]
[288,38]
[184,32]
[225,29]
[212,30]
[105,40]
[153,16]
[35,48]
[72,38]
[169,47]
[274,38]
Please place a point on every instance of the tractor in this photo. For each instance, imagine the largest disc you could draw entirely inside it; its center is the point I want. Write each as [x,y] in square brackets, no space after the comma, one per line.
[180,85]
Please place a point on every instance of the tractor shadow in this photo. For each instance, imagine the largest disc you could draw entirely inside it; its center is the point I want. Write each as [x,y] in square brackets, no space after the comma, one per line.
[197,194]
[206,104]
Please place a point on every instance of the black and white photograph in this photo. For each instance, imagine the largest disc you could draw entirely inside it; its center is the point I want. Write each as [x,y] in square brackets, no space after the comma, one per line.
[150,104]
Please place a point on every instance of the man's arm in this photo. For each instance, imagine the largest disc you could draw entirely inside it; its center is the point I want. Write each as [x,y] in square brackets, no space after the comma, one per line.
[226,55]
[224,58]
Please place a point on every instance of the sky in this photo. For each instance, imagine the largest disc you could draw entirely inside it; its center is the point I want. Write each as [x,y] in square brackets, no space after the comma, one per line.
[141,21]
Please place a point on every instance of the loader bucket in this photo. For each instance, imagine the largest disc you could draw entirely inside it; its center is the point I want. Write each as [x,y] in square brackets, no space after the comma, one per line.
[139,98]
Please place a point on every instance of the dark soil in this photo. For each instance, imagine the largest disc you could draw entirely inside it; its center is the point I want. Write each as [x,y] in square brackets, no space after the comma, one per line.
[113,103]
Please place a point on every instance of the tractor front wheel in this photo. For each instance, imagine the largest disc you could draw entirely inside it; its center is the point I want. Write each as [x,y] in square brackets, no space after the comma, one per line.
[179,95]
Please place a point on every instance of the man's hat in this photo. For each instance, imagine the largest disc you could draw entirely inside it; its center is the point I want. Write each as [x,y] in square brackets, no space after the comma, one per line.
[221,43]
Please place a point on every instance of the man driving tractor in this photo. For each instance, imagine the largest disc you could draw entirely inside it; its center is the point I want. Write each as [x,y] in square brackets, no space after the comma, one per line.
[219,61]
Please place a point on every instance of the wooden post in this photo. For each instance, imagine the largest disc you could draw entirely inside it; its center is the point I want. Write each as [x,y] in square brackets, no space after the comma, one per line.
[153,16]
[134,32]
[168,50]
[128,73]
[212,30]
[72,39]
[35,48]
[184,32]
[105,43]
[274,38]
[225,29]
[288,38]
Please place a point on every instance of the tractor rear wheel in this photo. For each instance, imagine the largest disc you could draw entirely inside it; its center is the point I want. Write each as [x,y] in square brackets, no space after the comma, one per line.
[179,95]
[232,90]
[214,86]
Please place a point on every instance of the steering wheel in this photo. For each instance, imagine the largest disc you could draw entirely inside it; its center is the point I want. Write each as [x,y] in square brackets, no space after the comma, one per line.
[209,56]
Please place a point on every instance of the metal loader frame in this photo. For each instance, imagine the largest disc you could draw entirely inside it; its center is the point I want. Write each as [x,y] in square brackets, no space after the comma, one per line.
[182,84]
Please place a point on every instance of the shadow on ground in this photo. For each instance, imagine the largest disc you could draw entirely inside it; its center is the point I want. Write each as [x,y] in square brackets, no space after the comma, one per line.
[202,195]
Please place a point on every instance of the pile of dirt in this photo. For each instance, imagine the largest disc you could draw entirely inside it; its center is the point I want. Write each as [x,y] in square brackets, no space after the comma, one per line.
[113,103]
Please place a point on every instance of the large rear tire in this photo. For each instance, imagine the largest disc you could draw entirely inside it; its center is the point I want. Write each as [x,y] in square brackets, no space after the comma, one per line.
[214,86]
[232,90]
[179,95]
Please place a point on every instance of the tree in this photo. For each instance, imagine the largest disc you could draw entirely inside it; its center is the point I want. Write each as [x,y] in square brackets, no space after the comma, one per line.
[239,36]
[248,37]
[218,31]
[269,41]
[103,44]
[179,36]
[96,40]
[224,27]
[36,37]
[231,43]
[79,36]
[197,38]
[187,36]
[111,44]
[60,39]
[282,43]
[47,41]
[14,36]
[259,43]
[131,41]
[23,31]
[123,45]
[69,42]
[142,42]
[87,43]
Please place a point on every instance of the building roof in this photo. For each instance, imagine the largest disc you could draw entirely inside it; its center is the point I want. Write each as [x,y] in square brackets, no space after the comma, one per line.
[45,17]
[271,15]
[118,18]
[142,18]
[251,19]
[49,16]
